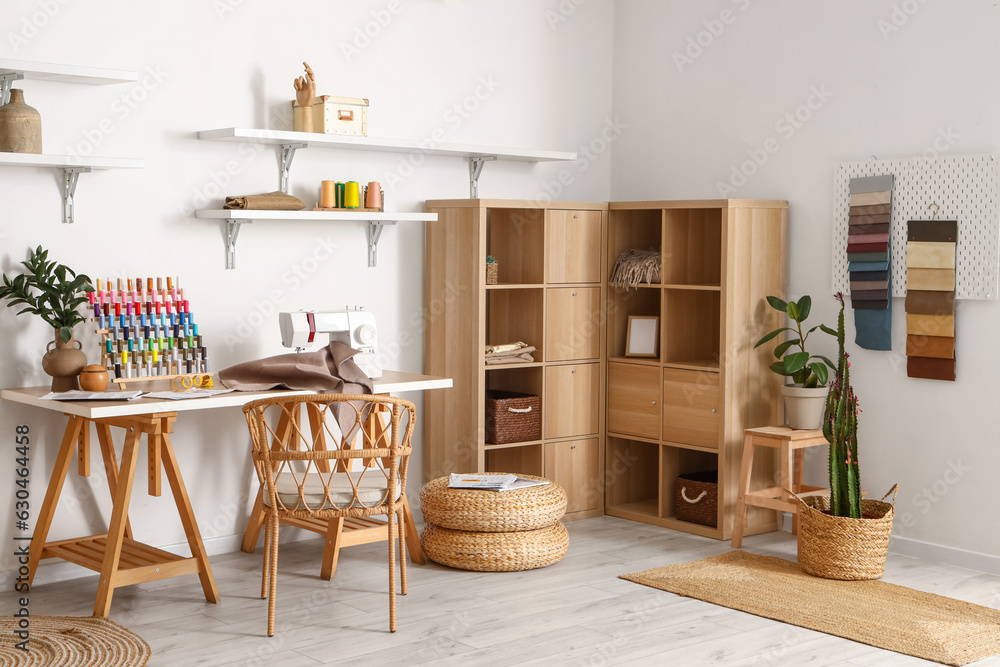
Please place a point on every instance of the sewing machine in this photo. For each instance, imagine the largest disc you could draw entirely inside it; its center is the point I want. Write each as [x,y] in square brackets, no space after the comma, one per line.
[351,327]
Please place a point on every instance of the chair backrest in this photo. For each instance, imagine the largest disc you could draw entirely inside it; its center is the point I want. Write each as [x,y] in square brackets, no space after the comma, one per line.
[342,452]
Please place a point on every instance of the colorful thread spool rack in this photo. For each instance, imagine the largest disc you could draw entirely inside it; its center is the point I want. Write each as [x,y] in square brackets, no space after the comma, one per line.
[147,333]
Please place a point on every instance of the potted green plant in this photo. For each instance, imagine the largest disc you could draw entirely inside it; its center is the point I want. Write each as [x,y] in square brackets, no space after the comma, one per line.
[843,536]
[805,397]
[492,269]
[54,292]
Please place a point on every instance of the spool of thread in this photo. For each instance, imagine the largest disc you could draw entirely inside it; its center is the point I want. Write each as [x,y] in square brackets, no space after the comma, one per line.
[328,194]
[373,195]
[352,195]
[340,194]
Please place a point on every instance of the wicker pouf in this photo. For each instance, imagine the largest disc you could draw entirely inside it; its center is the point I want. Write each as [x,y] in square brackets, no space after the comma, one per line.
[495,552]
[492,511]
[494,531]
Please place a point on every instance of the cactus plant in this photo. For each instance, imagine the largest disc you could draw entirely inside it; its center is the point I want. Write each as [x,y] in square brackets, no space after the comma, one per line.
[840,426]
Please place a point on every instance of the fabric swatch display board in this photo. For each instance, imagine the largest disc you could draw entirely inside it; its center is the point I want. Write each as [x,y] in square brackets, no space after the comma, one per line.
[869,260]
[930,299]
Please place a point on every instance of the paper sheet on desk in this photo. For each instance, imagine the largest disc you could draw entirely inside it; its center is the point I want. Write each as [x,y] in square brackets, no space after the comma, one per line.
[184,395]
[78,395]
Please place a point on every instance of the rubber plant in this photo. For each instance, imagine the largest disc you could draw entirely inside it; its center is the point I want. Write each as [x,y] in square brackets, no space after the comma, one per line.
[840,426]
[50,290]
[805,370]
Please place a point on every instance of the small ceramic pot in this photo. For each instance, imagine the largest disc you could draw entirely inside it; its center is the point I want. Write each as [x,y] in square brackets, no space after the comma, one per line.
[94,378]
[20,126]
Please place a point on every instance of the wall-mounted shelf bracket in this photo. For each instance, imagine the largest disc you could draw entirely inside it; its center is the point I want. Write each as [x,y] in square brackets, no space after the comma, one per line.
[374,233]
[7,80]
[232,232]
[70,177]
[287,155]
[475,169]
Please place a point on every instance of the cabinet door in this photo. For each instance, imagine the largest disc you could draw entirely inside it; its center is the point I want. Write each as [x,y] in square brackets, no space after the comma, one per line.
[572,323]
[691,407]
[573,242]
[571,400]
[634,400]
[575,466]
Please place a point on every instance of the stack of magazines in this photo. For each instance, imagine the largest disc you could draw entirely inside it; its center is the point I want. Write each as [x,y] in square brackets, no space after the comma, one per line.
[493,482]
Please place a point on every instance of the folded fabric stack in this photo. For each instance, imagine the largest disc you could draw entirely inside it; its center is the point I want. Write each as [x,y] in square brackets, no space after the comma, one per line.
[509,353]
[868,255]
[930,299]
[271,201]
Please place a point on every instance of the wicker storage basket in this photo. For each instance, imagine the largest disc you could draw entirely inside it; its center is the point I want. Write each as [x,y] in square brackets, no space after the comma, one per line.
[835,547]
[492,269]
[492,511]
[495,552]
[512,417]
[696,497]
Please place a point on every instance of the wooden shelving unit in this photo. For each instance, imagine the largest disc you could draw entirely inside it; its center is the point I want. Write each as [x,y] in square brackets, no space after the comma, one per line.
[550,294]
[686,410]
[71,166]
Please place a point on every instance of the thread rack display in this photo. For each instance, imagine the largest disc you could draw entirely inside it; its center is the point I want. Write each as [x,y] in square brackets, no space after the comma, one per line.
[147,333]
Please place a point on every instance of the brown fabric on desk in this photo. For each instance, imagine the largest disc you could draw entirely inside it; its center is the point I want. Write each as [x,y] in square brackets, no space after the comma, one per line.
[271,201]
[330,371]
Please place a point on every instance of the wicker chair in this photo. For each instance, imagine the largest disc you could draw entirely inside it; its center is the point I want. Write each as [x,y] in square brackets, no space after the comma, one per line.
[349,462]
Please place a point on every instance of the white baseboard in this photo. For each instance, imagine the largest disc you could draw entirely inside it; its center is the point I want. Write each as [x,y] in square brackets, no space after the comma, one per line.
[907,546]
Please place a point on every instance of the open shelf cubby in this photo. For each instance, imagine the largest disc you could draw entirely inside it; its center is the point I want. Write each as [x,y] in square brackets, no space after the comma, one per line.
[635,229]
[622,304]
[516,238]
[520,460]
[676,461]
[632,476]
[692,246]
[516,315]
[691,328]
[525,380]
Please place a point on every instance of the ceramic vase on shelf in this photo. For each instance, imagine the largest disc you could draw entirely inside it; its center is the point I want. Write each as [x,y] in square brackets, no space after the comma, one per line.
[20,126]
[64,361]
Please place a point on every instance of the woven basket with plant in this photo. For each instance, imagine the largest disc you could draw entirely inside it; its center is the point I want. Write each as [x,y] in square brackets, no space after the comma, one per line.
[844,536]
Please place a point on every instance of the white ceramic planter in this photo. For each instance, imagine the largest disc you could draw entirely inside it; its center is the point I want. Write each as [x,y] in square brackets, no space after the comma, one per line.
[804,407]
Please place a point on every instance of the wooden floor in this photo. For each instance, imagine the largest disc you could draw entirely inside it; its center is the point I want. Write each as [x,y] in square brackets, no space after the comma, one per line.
[576,612]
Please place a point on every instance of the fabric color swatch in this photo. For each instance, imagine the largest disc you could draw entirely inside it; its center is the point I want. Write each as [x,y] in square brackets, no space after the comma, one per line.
[930,255]
[861,285]
[930,303]
[869,238]
[930,369]
[939,347]
[855,220]
[932,230]
[869,198]
[875,209]
[878,228]
[930,325]
[938,280]
[871,305]
[869,257]
[865,247]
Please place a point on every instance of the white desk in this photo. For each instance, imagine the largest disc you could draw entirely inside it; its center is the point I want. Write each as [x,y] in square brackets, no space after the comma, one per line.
[121,560]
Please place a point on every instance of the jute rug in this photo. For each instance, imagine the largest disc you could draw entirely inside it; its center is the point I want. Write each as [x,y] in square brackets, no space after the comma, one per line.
[892,617]
[70,641]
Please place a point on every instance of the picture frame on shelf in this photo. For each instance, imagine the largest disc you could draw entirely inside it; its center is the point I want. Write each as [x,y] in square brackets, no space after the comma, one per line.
[642,339]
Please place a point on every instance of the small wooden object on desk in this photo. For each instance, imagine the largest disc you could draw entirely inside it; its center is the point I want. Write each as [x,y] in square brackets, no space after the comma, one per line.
[792,444]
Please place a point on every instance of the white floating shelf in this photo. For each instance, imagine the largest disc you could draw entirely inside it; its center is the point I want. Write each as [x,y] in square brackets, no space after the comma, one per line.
[68,161]
[313,139]
[376,222]
[93,76]
[333,216]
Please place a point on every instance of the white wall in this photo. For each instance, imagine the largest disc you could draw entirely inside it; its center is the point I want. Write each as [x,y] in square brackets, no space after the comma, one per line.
[231,63]
[889,78]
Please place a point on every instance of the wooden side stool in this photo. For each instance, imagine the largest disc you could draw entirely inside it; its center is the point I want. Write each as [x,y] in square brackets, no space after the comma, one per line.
[792,444]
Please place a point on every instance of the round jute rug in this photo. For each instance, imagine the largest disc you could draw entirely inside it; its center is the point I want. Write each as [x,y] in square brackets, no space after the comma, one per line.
[71,641]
